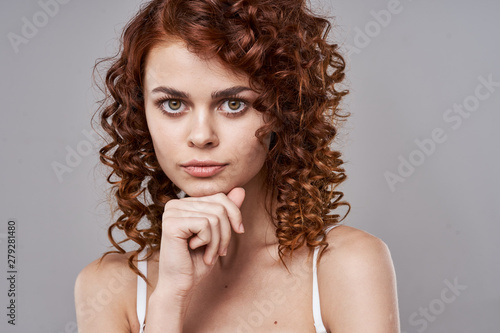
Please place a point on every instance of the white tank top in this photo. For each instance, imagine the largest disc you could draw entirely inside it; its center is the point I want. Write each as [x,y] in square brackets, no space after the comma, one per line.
[142,291]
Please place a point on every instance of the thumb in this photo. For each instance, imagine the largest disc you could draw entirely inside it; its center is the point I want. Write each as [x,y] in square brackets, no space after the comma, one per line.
[237,195]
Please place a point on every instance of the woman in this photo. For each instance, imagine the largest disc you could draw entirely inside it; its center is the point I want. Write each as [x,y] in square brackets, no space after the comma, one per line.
[221,114]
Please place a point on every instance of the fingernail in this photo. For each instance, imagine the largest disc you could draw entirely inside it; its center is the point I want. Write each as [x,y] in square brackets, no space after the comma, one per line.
[241,228]
[224,252]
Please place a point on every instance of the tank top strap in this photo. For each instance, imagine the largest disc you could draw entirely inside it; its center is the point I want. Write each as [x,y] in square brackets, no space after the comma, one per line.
[142,290]
[318,321]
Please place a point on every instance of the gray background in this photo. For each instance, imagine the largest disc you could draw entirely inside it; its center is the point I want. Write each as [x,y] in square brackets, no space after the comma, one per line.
[441,222]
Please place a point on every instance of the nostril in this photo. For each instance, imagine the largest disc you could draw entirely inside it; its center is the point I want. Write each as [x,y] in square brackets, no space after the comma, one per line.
[203,142]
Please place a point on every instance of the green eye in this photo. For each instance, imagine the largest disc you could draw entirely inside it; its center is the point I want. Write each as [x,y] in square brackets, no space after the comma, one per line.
[234,104]
[174,104]
[171,107]
[233,107]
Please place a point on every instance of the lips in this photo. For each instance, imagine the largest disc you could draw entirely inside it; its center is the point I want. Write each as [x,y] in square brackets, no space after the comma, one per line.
[205,163]
[203,168]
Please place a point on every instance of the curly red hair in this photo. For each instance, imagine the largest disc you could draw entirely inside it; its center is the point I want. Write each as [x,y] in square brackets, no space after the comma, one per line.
[283,48]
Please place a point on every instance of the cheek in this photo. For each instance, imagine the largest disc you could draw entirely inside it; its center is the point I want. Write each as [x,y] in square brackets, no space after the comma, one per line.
[251,150]
[247,145]
[164,142]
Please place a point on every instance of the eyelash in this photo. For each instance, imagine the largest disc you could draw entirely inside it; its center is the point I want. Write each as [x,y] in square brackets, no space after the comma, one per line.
[159,104]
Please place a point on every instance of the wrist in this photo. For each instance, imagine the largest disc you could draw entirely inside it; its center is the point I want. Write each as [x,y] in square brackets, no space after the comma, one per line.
[169,299]
[166,312]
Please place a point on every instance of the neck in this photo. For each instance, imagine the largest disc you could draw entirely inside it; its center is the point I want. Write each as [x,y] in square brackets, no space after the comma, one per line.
[259,232]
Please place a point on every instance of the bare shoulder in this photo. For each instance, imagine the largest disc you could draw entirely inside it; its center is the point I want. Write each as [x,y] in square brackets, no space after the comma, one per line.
[354,255]
[352,241]
[102,293]
[357,283]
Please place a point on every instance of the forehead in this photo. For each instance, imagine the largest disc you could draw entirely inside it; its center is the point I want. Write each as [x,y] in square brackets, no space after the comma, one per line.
[173,64]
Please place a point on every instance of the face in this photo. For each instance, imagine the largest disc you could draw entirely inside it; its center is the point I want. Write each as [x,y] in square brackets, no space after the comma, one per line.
[202,123]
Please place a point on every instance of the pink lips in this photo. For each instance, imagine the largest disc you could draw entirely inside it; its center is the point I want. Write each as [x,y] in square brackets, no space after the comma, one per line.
[203,168]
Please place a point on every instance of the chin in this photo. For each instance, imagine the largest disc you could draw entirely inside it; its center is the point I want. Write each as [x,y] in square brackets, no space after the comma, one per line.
[205,190]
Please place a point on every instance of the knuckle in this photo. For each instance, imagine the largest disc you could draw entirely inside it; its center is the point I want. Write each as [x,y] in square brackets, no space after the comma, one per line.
[214,221]
[205,222]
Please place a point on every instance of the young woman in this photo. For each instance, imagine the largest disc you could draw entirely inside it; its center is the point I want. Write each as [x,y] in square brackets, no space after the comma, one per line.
[221,116]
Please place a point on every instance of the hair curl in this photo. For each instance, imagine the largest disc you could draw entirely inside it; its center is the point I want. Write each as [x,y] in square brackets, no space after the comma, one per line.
[283,48]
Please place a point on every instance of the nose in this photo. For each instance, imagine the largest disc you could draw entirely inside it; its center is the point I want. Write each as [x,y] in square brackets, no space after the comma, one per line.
[203,133]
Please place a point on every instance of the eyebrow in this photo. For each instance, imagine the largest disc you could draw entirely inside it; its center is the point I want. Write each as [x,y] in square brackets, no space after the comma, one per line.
[216,94]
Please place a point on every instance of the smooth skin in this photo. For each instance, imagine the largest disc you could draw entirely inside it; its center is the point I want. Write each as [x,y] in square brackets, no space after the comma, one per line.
[208,271]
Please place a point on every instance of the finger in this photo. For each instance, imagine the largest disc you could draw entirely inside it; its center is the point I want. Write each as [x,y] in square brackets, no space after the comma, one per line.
[197,207]
[237,195]
[224,230]
[213,246]
[225,236]
[204,227]
[184,228]
[232,211]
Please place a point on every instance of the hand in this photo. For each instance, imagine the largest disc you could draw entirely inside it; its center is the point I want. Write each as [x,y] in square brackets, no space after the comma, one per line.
[195,232]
